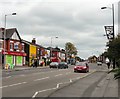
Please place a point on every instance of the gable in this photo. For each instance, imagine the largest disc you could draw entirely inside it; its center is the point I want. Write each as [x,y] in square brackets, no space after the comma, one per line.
[12,34]
[15,36]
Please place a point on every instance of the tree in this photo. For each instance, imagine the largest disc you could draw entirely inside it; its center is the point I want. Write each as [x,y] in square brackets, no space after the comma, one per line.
[114,49]
[114,53]
[70,48]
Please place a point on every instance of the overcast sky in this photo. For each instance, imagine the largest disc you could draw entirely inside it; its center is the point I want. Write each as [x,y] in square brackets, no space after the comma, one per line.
[80,22]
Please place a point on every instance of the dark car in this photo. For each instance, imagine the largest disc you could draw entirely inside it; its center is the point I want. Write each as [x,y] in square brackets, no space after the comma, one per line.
[81,67]
[62,65]
[53,65]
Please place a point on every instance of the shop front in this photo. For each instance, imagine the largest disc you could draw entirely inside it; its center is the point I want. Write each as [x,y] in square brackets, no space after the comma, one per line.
[14,58]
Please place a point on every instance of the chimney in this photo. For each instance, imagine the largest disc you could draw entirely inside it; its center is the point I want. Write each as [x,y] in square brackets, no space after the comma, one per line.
[34,41]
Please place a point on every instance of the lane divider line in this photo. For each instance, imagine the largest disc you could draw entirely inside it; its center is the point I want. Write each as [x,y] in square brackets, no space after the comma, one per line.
[57,86]
[68,73]
[13,85]
[22,75]
[41,79]
[8,77]
[58,75]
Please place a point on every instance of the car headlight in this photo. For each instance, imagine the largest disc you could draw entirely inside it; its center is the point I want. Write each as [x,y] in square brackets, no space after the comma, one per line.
[84,67]
[75,67]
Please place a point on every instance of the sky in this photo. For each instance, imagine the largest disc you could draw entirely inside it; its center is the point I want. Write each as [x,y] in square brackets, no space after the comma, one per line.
[80,22]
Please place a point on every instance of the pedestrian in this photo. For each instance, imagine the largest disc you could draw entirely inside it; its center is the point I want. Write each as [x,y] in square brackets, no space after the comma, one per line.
[108,64]
[35,63]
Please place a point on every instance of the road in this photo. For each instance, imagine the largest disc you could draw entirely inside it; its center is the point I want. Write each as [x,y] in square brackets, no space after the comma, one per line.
[45,82]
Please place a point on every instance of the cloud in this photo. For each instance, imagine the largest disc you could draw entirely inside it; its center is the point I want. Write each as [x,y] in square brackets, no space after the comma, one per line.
[80,22]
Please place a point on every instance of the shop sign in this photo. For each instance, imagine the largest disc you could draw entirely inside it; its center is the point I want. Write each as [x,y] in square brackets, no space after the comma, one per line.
[14,53]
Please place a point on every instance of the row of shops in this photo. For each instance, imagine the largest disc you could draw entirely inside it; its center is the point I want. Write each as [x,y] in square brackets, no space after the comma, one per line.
[18,52]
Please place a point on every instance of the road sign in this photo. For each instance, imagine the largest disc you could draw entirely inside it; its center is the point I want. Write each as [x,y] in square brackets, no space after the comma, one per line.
[109,32]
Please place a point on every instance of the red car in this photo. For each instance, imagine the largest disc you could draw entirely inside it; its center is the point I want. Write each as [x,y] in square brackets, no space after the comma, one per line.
[81,67]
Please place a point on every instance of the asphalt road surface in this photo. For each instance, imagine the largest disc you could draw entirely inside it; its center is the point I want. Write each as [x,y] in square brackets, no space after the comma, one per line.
[46,82]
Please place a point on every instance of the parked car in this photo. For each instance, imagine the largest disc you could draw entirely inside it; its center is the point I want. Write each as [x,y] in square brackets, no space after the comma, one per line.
[81,67]
[99,63]
[62,65]
[53,65]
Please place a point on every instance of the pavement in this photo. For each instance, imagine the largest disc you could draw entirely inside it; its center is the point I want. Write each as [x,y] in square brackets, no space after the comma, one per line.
[107,87]
[20,68]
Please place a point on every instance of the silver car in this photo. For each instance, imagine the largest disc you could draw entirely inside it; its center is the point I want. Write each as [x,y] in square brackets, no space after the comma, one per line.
[54,65]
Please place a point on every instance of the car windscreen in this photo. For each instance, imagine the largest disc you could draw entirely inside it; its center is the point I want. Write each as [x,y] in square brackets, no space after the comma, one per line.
[54,63]
[80,64]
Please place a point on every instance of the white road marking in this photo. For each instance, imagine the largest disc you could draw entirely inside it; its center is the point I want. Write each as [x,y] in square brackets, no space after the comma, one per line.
[22,75]
[38,73]
[70,80]
[35,95]
[41,79]
[3,86]
[8,77]
[58,75]
[58,85]
[18,84]
[42,72]
[68,73]
[13,84]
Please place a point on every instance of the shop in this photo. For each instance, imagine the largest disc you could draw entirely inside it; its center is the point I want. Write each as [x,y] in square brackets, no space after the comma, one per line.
[15,58]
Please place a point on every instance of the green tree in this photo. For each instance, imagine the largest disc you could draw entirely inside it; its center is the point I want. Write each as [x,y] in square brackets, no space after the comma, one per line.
[70,48]
[114,48]
[114,53]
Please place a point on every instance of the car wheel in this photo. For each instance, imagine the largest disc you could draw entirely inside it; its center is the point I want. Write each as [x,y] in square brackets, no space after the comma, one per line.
[75,71]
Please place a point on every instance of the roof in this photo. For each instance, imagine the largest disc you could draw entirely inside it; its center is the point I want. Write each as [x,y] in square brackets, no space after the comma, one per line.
[57,49]
[10,32]
[27,42]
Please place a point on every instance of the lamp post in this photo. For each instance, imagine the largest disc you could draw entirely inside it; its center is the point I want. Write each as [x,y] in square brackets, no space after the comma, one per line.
[5,35]
[113,27]
[51,47]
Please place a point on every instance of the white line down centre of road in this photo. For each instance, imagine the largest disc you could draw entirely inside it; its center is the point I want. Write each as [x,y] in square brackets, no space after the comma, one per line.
[13,85]
[57,86]
[41,79]
[58,75]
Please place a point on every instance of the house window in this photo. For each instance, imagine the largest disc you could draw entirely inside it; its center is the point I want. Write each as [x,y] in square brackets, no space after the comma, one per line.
[1,46]
[11,46]
[38,52]
[16,46]
[23,47]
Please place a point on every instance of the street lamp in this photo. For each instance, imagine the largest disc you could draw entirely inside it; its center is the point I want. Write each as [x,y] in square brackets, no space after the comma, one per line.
[113,27]
[112,16]
[51,47]
[5,34]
